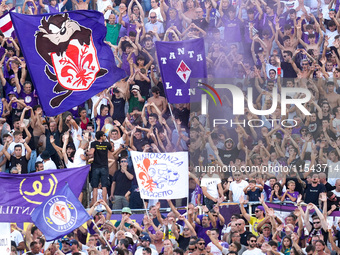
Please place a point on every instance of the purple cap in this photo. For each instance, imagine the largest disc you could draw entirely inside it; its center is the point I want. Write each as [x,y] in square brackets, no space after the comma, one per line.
[12,76]
[260,207]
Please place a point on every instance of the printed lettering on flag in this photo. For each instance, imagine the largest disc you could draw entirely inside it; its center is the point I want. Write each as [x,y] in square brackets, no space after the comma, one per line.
[179,62]
[161,175]
[67,57]
[6,25]
[22,193]
[60,214]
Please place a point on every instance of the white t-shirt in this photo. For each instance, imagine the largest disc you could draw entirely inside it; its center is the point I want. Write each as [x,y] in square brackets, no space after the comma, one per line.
[77,161]
[75,134]
[140,252]
[10,149]
[213,248]
[336,125]
[49,165]
[96,98]
[84,249]
[333,171]
[117,143]
[255,251]
[211,182]
[16,236]
[101,5]
[331,36]
[158,13]
[237,189]
[336,193]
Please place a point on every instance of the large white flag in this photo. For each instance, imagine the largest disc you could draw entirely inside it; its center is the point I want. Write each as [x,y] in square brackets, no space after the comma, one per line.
[161,175]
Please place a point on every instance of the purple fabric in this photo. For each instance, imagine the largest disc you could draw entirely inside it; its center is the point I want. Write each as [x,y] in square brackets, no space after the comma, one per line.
[268,190]
[81,68]
[178,70]
[18,206]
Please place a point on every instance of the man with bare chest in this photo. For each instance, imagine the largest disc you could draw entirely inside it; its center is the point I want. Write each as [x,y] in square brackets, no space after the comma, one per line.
[332,97]
[159,101]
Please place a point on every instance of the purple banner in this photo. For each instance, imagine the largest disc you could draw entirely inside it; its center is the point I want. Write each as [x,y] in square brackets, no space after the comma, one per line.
[227,210]
[20,194]
[179,62]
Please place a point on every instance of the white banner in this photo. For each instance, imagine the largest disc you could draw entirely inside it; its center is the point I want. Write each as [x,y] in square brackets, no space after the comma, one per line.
[5,238]
[162,175]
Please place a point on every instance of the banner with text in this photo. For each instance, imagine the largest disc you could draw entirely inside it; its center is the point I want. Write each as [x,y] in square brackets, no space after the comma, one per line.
[179,62]
[161,175]
[22,193]
[5,239]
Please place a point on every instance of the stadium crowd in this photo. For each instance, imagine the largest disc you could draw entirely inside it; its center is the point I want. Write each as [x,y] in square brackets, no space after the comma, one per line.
[265,44]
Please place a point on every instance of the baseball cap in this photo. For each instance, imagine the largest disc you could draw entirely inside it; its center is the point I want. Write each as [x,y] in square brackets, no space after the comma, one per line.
[146,238]
[266,225]
[12,76]
[128,234]
[11,93]
[72,242]
[260,207]
[45,155]
[135,87]
[126,210]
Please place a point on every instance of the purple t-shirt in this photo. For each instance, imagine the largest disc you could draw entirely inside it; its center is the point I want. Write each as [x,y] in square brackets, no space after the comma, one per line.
[123,31]
[306,40]
[194,195]
[295,195]
[30,99]
[130,27]
[102,119]
[202,232]
[232,32]
[125,63]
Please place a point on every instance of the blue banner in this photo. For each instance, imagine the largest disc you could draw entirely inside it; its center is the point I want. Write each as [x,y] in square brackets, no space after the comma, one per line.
[20,194]
[179,62]
[66,57]
[60,214]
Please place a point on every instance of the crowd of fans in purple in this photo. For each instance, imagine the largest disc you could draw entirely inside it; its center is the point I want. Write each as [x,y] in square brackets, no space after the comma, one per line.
[265,44]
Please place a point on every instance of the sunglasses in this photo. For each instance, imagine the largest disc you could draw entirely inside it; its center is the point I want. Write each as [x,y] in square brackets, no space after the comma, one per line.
[257,210]
[201,243]
[316,222]
[238,224]
[252,241]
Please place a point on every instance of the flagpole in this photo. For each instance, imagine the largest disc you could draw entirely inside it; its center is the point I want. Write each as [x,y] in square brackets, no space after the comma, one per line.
[173,118]
[146,209]
[100,233]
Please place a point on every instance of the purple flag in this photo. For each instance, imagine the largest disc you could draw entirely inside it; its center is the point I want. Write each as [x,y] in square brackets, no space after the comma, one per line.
[66,56]
[59,214]
[179,62]
[20,194]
